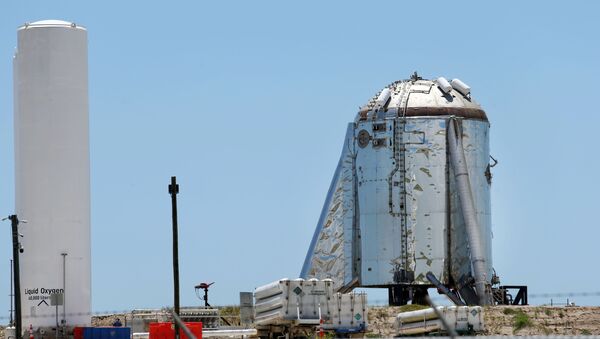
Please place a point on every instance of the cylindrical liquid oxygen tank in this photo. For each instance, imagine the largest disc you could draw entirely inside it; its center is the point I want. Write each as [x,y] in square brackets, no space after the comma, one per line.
[52,172]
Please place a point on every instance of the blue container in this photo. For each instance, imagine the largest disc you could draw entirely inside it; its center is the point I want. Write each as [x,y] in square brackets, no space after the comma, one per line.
[106,333]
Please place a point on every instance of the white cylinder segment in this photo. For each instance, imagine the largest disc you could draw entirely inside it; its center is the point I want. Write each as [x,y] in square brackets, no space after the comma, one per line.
[460,86]
[52,171]
[444,85]
[383,97]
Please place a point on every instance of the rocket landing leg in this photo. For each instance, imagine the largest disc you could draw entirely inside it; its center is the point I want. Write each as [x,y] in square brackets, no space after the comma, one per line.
[399,295]
[419,296]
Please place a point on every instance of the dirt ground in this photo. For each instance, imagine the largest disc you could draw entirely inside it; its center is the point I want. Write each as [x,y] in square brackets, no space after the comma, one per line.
[499,320]
[107,320]
[510,320]
[542,320]
[381,320]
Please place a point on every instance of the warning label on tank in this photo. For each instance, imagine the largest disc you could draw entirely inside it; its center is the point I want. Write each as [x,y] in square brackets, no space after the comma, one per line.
[42,293]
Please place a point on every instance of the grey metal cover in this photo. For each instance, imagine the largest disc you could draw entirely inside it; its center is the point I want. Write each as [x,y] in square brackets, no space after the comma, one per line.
[246,307]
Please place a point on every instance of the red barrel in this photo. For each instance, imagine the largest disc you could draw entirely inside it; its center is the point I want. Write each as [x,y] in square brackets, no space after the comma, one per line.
[166,330]
[78,332]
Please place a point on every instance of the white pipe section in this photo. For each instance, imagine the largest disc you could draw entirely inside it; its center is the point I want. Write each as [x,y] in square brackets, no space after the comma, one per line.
[419,315]
[461,87]
[383,97]
[461,175]
[421,327]
[246,332]
[444,85]
[271,288]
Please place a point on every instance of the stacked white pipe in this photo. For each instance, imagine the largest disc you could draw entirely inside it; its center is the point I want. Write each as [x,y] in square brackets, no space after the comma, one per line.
[459,318]
[52,175]
[309,302]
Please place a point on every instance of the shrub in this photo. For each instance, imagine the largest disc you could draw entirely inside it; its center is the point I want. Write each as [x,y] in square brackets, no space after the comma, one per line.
[520,320]
[508,311]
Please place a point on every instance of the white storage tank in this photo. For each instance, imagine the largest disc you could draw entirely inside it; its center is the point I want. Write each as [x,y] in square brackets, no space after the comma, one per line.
[52,171]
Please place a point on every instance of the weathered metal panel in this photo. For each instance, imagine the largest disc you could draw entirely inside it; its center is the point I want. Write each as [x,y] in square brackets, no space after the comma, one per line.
[380,229]
[426,197]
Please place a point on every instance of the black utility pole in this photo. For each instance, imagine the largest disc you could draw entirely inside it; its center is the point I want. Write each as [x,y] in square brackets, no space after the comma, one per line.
[14,221]
[173,190]
[12,295]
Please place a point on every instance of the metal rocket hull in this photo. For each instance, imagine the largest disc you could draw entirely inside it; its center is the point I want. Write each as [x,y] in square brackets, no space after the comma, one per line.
[392,213]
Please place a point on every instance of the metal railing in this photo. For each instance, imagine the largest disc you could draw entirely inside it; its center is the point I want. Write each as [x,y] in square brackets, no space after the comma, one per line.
[183,326]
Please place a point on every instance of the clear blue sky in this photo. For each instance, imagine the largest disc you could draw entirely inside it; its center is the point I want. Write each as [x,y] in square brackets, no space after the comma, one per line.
[247,103]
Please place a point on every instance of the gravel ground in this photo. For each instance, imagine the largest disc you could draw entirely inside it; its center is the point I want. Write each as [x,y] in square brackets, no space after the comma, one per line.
[510,320]
[542,320]
[499,320]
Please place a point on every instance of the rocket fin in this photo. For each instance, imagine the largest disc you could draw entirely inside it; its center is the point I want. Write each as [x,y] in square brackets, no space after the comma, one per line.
[330,254]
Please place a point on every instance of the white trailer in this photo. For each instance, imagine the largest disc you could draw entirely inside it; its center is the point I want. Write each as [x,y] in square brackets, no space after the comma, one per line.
[299,307]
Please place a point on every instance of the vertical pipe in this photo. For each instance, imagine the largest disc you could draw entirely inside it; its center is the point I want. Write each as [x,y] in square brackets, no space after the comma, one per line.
[173,190]
[56,313]
[14,221]
[64,319]
[461,175]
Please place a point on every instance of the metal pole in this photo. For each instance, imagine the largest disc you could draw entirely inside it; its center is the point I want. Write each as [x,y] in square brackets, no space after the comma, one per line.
[11,322]
[450,330]
[64,319]
[14,221]
[173,190]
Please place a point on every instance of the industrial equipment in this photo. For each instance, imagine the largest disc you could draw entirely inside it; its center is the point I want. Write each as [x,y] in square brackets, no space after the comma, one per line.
[204,287]
[295,307]
[462,319]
